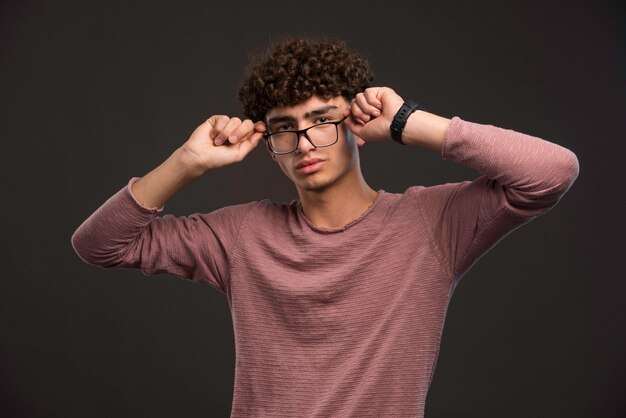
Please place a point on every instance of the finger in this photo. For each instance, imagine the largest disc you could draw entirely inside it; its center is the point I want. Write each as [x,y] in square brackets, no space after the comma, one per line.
[357,113]
[365,106]
[213,120]
[354,126]
[246,146]
[243,130]
[372,98]
[217,124]
[248,135]
[232,124]
[260,126]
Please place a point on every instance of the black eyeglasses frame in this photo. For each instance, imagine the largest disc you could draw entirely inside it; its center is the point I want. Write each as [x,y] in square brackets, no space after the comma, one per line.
[266,136]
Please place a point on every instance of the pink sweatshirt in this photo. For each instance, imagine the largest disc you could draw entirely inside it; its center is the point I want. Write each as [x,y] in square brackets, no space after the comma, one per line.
[341,322]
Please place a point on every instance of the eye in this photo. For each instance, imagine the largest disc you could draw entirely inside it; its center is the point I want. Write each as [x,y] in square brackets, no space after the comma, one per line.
[322,119]
[282,127]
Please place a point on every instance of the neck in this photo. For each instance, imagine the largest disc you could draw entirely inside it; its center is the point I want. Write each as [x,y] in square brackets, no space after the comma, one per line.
[339,204]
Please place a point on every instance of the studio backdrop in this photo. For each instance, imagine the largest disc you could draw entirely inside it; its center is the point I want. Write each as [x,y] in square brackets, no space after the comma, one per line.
[94,93]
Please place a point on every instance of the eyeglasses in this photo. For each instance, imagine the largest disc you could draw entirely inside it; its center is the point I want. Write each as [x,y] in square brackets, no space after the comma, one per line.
[321,135]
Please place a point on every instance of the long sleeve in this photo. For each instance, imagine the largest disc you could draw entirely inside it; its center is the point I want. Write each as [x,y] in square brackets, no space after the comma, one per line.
[521,177]
[124,233]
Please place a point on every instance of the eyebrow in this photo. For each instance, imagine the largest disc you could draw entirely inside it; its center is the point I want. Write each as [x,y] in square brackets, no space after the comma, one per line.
[315,112]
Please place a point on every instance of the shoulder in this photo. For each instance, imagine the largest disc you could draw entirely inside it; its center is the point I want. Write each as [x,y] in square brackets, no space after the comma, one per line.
[258,210]
[435,198]
[440,191]
[268,209]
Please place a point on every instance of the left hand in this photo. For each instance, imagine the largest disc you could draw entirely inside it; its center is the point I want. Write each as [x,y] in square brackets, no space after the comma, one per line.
[371,113]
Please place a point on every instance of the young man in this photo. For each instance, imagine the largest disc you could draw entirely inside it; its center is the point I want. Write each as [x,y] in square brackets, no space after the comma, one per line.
[338,299]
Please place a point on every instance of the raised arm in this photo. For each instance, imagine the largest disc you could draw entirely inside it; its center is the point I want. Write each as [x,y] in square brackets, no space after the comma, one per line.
[217,142]
[535,172]
[521,176]
[125,231]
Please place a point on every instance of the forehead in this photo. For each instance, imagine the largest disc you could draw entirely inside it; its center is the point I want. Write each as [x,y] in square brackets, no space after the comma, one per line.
[301,109]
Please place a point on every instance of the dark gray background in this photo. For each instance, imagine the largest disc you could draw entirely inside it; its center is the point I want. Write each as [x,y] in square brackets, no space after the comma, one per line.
[93,93]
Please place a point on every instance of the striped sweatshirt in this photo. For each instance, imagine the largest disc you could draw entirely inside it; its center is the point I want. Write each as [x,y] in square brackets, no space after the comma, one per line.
[341,322]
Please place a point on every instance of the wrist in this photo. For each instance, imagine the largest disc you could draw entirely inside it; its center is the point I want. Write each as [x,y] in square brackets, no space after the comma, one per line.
[155,188]
[425,130]
[187,164]
[400,118]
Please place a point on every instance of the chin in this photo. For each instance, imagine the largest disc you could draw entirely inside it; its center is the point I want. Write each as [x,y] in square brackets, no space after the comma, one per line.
[316,185]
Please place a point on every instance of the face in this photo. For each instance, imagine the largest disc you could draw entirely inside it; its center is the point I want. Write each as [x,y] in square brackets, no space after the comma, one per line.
[331,164]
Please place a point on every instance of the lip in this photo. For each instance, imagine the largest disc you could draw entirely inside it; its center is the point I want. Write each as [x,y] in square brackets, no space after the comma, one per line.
[308,162]
[309,168]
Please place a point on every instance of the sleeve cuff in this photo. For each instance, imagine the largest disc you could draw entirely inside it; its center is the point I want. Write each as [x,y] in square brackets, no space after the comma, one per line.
[452,135]
[141,205]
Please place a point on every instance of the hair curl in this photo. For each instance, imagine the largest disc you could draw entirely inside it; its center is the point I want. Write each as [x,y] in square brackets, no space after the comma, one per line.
[292,71]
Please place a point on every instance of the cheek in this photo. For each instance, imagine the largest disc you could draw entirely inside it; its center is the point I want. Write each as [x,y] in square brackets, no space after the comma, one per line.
[348,149]
[284,166]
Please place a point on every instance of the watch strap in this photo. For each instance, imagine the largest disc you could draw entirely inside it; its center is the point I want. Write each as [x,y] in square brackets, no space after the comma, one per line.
[400,119]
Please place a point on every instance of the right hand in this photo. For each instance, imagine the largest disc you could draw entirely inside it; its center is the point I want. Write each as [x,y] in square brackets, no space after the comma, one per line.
[221,140]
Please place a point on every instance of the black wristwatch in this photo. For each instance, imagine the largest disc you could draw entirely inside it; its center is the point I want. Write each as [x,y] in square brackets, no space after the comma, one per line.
[399,120]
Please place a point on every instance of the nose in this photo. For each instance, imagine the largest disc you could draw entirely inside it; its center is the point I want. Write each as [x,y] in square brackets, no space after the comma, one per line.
[304,145]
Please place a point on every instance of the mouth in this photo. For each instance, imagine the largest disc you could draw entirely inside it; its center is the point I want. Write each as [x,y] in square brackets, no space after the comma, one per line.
[309,166]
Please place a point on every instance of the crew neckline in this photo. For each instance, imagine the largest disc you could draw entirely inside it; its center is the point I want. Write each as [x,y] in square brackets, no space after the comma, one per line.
[329,230]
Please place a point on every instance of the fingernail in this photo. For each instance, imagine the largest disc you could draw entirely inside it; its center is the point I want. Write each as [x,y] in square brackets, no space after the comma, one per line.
[376,113]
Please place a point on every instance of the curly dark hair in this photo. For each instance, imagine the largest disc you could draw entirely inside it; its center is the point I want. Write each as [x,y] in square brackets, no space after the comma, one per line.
[296,69]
